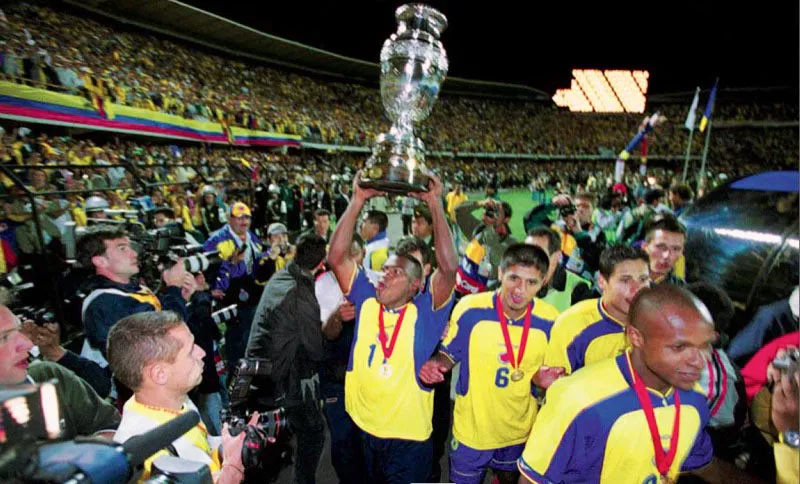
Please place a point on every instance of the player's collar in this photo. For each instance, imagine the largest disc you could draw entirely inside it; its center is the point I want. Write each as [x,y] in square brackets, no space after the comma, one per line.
[505,313]
[626,368]
[605,314]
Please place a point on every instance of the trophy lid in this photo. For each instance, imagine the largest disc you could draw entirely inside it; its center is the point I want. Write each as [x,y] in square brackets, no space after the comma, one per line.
[418,16]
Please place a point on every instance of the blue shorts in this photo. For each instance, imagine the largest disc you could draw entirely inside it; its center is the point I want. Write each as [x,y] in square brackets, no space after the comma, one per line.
[468,465]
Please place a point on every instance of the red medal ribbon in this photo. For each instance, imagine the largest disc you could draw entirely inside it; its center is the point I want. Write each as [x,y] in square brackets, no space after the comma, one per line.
[507,337]
[388,350]
[663,459]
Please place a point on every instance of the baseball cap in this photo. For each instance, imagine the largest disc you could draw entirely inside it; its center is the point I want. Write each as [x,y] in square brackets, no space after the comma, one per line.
[239,209]
[422,211]
[276,229]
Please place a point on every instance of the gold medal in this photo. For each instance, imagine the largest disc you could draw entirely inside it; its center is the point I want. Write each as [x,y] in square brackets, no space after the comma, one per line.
[385,370]
[667,480]
[517,375]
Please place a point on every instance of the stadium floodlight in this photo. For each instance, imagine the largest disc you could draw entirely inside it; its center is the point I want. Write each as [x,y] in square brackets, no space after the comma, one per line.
[609,91]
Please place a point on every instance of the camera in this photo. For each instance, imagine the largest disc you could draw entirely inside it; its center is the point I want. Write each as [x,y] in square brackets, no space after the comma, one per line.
[40,316]
[225,314]
[266,447]
[788,364]
[567,210]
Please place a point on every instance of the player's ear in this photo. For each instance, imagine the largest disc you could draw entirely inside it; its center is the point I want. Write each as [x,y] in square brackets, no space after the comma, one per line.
[634,336]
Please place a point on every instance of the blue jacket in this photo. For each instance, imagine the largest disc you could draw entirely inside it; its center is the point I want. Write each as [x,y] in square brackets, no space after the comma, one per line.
[109,301]
[239,278]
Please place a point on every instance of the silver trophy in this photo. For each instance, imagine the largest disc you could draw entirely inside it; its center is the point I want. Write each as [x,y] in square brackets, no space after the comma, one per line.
[413,67]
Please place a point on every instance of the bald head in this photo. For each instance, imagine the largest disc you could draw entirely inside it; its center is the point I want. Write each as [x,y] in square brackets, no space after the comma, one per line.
[671,332]
[665,304]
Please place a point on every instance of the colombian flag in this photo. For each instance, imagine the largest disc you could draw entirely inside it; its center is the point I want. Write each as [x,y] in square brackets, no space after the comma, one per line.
[709,107]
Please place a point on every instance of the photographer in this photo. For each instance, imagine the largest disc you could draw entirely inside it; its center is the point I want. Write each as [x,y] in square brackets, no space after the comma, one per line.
[115,293]
[154,354]
[582,241]
[287,332]
[83,411]
[235,283]
[489,239]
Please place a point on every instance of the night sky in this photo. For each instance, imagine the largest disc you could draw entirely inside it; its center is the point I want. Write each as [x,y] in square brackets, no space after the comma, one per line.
[682,43]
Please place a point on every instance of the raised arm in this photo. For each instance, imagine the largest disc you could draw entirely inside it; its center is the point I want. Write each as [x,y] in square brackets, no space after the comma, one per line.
[343,267]
[444,279]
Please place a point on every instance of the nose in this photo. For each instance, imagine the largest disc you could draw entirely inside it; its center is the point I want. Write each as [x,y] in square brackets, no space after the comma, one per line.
[200,351]
[696,359]
[24,344]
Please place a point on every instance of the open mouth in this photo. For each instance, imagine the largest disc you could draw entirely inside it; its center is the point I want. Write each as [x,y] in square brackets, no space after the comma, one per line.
[22,365]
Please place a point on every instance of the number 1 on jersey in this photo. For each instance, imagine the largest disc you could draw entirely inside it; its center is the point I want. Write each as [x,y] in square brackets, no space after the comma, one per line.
[371,354]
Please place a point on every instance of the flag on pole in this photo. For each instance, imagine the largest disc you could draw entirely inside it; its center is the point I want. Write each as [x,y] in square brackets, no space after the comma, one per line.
[643,162]
[691,116]
[709,107]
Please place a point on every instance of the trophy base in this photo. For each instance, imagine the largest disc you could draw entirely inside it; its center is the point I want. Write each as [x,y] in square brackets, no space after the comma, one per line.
[393,187]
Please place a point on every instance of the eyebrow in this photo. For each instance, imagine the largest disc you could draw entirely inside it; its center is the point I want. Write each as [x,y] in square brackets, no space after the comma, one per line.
[16,327]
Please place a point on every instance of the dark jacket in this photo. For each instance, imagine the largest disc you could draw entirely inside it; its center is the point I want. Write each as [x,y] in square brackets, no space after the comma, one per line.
[83,412]
[205,332]
[771,321]
[286,330]
[108,302]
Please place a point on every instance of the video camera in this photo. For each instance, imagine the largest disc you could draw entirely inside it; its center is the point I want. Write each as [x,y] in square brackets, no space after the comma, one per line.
[268,442]
[30,421]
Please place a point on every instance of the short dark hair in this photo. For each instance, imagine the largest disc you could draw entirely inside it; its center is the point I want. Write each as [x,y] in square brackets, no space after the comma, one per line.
[553,238]
[416,273]
[525,255]
[92,243]
[138,340]
[311,251]
[717,301]
[379,218]
[653,195]
[410,244]
[682,190]
[321,212]
[612,256]
[666,222]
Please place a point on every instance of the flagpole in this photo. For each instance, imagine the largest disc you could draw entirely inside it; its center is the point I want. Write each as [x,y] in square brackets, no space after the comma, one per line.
[701,183]
[688,152]
[689,144]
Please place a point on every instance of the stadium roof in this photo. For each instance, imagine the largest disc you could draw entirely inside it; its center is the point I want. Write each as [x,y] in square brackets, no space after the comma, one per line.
[192,24]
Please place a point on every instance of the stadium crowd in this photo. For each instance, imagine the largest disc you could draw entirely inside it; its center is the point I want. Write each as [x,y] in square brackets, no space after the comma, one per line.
[438,344]
[61,50]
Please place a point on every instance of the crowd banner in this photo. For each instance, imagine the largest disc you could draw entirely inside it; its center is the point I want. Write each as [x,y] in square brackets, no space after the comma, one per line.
[34,105]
